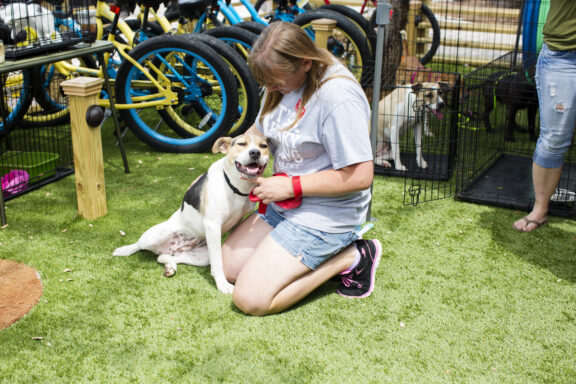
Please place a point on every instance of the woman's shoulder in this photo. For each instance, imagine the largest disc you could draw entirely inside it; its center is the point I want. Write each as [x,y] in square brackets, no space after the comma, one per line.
[339,83]
[337,69]
[336,75]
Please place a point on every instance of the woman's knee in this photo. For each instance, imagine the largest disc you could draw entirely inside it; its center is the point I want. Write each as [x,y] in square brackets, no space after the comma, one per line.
[250,303]
[550,149]
[230,268]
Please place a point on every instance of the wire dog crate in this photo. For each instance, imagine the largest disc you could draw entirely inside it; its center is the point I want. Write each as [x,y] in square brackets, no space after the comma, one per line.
[496,147]
[491,135]
[30,28]
[33,152]
[430,102]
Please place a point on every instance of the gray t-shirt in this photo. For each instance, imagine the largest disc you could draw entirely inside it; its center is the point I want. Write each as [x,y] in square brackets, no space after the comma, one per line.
[332,133]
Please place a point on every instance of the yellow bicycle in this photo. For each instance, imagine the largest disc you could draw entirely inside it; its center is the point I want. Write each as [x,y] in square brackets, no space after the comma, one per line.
[175,94]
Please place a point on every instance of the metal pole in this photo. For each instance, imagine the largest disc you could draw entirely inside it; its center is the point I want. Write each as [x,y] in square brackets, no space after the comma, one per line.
[113,110]
[382,19]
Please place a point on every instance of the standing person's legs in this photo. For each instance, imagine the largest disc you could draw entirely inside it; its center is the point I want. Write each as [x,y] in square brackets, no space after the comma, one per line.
[556,82]
[545,181]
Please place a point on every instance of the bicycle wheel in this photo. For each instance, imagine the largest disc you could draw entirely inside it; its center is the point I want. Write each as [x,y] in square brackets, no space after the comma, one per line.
[16,98]
[251,26]
[347,42]
[240,39]
[50,105]
[153,28]
[425,17]
[248,90]
[359,20]
[207,97]
[258,4]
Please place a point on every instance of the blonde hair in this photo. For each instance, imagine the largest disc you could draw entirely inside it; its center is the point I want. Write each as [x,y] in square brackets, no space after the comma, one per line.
[282,47]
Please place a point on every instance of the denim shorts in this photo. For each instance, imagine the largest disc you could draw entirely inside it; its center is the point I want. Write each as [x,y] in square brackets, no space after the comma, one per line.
[556,83]
[311,246]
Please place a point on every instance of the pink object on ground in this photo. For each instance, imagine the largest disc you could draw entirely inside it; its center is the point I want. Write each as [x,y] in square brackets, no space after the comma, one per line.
[15,181]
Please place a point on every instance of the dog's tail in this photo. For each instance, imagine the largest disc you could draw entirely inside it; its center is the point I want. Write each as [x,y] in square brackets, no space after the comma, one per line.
[126,250]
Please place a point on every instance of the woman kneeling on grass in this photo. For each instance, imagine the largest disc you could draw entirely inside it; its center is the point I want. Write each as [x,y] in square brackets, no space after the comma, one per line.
[316,118]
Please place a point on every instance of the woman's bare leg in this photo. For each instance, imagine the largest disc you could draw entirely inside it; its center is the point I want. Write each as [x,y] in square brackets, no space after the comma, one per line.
[545,182]
[241,243]
[272,280]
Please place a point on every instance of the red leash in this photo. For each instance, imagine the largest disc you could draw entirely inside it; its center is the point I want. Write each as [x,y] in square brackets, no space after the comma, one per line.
[286,204]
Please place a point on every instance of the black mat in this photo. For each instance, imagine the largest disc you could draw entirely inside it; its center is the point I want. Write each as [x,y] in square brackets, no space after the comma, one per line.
[438,167]
[508,183]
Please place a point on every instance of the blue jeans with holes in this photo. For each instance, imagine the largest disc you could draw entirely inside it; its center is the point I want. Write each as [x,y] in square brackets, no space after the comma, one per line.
[556,83]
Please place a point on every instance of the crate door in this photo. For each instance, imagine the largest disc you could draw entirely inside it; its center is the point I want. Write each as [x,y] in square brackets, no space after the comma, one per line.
[431,177]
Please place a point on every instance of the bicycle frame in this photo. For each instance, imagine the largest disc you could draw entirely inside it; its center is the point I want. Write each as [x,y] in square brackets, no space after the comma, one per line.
[165,97]
[103,12]
[252,11]
[229,13]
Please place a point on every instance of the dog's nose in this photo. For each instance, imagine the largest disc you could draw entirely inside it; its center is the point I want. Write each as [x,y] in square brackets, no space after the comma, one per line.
[254,154]
[440,104]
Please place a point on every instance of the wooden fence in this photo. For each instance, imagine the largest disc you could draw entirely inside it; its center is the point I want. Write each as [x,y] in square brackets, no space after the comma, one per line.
[473,32]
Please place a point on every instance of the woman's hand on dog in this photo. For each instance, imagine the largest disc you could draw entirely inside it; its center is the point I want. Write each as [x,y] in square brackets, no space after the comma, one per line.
[275,188]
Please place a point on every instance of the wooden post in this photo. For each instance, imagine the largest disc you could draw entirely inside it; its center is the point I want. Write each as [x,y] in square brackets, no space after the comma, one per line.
[87,145]
[413,10]
[322,29]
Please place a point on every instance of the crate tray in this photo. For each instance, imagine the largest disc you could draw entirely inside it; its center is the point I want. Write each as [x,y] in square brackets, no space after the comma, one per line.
[37,164]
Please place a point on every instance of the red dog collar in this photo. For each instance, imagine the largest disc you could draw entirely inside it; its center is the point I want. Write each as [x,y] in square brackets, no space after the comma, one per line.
[286,204]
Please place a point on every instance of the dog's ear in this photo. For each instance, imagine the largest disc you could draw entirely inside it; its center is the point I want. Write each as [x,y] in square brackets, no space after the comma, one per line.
[222,145]
[445,87]
[416,87]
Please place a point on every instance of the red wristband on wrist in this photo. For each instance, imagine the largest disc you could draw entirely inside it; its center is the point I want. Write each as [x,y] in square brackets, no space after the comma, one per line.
[296,186]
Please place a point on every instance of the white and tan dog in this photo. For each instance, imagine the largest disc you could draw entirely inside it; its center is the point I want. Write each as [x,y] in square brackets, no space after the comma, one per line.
[406,108]
[213,204]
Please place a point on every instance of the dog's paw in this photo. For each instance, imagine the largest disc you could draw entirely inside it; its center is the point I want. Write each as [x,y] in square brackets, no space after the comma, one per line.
[225,287]
[401,167]
[164,258]
[383,163]
[423,164]
[169,270]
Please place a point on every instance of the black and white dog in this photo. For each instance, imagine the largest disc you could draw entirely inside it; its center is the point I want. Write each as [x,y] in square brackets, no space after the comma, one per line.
[213,204]
[406,108]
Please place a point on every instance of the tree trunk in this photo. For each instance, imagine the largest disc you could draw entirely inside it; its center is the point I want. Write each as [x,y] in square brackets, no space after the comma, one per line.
[393,43]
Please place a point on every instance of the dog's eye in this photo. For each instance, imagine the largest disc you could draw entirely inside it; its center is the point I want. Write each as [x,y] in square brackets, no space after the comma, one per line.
[264,146]
[242,144]
[429,94]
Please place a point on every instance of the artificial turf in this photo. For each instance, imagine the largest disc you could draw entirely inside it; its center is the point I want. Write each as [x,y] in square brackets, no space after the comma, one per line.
[460,297]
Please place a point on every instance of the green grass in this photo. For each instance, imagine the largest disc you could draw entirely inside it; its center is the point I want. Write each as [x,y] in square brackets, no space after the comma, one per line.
[460,297]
